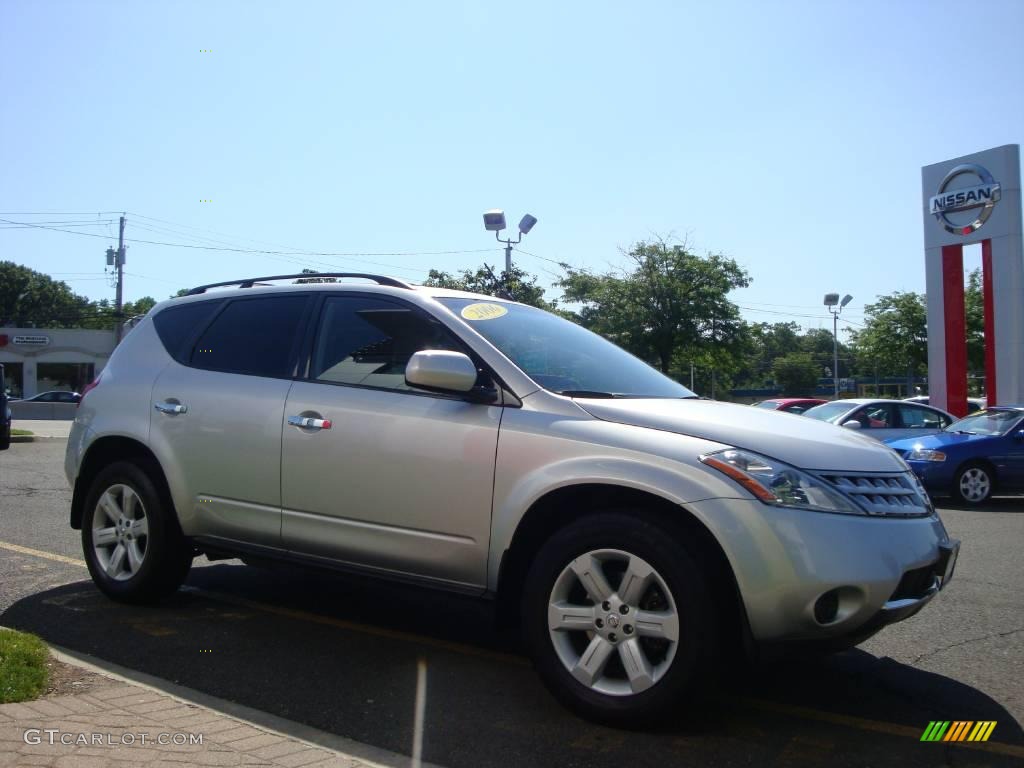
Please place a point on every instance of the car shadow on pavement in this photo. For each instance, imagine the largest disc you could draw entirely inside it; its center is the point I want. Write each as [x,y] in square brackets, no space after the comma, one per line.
[340,655]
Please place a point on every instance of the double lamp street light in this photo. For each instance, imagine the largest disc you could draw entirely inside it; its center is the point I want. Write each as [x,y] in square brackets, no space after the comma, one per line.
[835,306]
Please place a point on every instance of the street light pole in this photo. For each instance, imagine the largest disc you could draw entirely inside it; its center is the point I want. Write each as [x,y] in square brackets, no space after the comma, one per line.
[494,221]
[835,306]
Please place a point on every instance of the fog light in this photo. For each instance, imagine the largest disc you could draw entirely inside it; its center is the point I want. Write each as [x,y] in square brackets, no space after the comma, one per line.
[826,607]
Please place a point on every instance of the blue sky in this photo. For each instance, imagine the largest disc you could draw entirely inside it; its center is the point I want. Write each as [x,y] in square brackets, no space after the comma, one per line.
[787,135]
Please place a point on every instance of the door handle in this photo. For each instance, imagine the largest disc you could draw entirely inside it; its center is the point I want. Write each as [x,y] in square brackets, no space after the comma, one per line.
[308,422]
[171,408]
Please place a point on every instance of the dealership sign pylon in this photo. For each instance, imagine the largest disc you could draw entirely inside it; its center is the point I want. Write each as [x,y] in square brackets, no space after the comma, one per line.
[974,199]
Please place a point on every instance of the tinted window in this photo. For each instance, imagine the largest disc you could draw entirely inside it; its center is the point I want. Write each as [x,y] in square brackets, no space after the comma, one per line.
[369,341]
[66,397]
[253,336]
[48,397]
[176,326]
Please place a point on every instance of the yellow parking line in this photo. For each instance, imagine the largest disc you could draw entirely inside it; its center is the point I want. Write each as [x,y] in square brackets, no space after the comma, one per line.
[40,553]
[291,613]
[805,713]
[393,634]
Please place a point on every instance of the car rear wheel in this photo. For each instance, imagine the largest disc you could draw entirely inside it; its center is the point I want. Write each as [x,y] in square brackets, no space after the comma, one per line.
[973,484]
[617,619]
[132,545]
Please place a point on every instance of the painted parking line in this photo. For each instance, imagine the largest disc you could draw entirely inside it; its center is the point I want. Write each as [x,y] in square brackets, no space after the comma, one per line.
[803,713]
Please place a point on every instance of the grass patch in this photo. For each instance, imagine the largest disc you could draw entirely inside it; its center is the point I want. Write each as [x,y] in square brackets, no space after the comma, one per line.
[23,672]
[21,433]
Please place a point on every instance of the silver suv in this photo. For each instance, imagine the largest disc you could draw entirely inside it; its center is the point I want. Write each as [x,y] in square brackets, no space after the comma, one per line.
[633,531]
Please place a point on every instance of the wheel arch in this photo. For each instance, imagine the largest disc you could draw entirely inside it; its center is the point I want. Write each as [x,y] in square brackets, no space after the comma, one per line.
[103,452]
[567,504]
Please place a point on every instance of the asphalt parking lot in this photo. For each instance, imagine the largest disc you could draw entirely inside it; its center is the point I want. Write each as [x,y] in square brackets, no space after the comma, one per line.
[341,655]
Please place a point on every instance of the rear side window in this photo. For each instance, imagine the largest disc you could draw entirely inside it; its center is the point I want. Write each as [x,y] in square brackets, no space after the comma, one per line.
[252,336]
[177,326]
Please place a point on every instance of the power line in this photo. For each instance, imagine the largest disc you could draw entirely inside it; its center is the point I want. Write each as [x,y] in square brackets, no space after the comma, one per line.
[262,251]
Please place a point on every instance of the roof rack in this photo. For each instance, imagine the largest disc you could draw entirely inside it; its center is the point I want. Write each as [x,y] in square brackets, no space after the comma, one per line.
[250,281]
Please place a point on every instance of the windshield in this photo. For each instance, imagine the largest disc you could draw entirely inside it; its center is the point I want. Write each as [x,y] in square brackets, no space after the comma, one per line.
[986,423]
[562,356]
[769,404]
[827,411]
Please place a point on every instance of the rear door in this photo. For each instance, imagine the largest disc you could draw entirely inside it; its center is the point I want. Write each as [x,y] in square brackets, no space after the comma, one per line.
[916,420]
[218,411]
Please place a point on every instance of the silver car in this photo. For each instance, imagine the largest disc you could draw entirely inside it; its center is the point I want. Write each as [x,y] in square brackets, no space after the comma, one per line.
[883,419]
[633,533]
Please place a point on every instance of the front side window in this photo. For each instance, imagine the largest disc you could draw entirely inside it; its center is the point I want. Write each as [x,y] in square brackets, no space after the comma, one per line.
[252,336]
[367,341]
[562,356]
[875,416]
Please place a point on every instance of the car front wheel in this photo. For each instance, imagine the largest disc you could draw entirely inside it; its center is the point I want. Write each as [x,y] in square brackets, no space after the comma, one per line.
[132,545]
[617,618]
[973,484]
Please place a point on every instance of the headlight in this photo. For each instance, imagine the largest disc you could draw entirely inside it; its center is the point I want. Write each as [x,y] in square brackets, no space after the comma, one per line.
[925,454]
[779,484]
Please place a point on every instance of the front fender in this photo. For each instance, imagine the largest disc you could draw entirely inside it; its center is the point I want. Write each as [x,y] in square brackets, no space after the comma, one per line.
[538,455]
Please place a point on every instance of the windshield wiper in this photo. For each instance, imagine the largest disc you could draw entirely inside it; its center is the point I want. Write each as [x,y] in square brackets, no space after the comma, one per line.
[586,393]
[964,432]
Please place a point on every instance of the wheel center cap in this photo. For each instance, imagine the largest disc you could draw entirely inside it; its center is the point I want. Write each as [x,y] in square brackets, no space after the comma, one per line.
[613,620]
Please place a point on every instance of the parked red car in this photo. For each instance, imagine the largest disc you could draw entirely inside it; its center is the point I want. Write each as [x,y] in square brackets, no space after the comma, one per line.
[790,404]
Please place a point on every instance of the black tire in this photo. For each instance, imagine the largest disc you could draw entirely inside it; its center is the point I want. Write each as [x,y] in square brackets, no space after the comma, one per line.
[167,555]
[688,671]
[980,490]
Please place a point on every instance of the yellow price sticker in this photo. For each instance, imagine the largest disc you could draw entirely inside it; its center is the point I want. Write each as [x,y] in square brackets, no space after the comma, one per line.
[483,311]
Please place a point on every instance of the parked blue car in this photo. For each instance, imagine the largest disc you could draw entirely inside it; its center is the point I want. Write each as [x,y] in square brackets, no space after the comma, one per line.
[971,458]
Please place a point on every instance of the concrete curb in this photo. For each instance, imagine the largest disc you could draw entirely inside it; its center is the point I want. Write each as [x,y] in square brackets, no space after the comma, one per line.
[366,753]
[23,438]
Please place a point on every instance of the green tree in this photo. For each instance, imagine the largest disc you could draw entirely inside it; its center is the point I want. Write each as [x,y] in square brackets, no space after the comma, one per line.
[30,298]
[818,343]
[516,285]
[797,373]
[670,305]
[894,338]
[765,342]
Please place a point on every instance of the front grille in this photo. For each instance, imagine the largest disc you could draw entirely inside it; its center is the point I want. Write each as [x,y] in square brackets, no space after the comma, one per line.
[893,495]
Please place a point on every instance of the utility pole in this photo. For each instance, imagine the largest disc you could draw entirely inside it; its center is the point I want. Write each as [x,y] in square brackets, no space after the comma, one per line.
[119,299]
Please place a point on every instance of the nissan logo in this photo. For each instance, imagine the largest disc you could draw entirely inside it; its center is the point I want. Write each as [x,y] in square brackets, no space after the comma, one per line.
[983,195]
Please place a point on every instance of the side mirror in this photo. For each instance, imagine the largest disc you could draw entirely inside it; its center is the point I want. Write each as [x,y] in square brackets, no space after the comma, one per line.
[441,371]
[851,424]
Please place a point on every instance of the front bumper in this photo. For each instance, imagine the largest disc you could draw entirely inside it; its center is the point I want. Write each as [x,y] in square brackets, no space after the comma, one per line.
[806,576]
[935,476]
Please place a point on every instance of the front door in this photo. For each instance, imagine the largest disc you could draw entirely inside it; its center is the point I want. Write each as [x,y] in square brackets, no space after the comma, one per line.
[387,477]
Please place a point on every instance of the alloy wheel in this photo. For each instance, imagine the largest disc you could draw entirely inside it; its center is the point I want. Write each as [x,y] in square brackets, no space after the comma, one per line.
[120,532]
[617,640]
[975,484]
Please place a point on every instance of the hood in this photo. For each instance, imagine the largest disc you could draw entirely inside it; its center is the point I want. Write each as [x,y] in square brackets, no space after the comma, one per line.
[804,443]
[937,440]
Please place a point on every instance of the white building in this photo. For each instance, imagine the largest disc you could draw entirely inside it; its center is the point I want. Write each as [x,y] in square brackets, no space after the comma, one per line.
[39,359]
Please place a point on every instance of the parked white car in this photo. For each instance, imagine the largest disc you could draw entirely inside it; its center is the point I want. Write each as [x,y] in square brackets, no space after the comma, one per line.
[883,419]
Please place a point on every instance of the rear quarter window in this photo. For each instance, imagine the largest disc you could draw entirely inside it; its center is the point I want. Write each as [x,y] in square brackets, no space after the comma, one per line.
[177,326]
